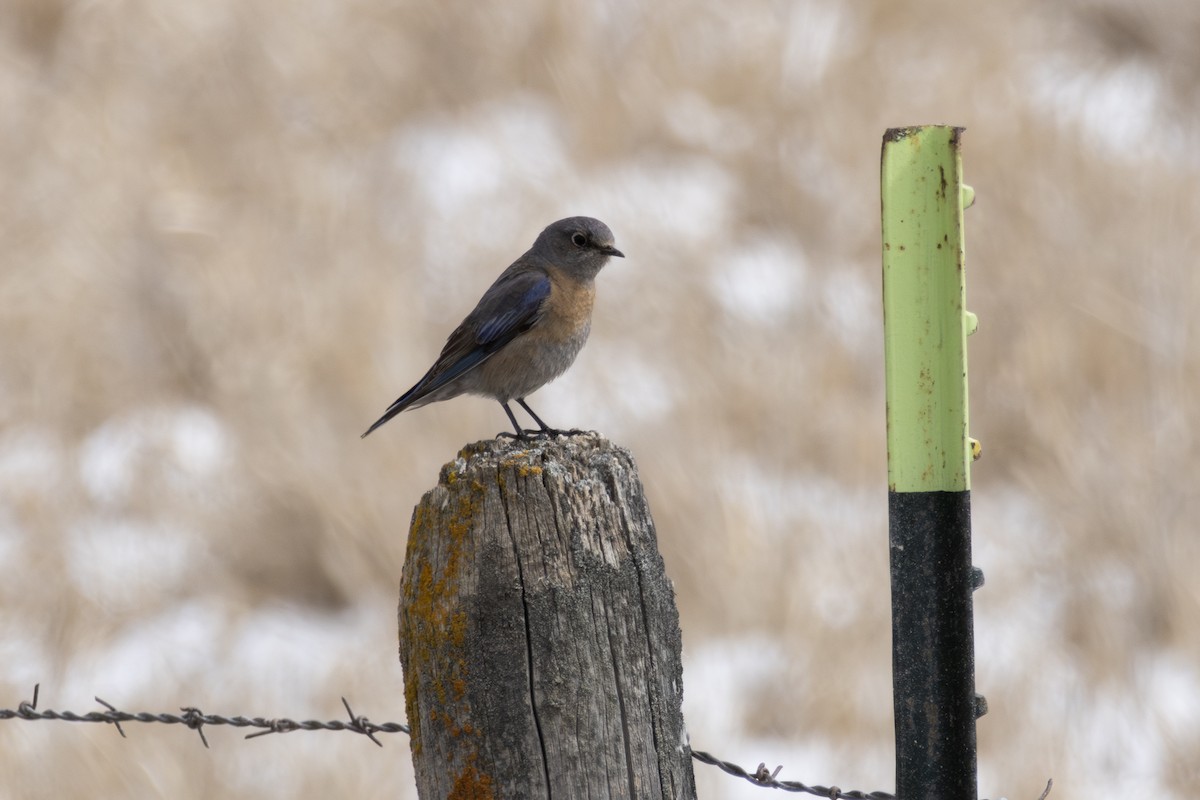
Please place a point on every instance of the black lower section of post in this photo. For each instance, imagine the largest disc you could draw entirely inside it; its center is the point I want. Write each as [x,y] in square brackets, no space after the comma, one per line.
[933,652]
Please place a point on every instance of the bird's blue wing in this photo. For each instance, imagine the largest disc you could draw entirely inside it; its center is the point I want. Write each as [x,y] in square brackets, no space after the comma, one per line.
[510,307]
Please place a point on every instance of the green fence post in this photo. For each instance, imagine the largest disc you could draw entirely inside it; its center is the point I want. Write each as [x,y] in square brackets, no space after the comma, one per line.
[929,455]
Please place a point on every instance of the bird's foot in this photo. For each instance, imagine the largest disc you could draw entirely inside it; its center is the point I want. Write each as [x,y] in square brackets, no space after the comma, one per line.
[552,432]
[527,434]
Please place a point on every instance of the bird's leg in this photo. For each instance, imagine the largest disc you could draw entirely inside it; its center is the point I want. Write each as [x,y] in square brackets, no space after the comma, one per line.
[520,434]
[546,430]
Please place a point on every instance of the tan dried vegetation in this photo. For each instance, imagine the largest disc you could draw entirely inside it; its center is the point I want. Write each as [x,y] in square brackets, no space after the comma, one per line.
[233,231]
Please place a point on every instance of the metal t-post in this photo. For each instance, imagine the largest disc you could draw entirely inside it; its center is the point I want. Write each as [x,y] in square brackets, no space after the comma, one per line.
[929,453]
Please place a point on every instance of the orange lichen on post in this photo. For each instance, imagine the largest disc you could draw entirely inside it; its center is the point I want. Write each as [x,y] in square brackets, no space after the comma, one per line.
[429,609]
[472,785]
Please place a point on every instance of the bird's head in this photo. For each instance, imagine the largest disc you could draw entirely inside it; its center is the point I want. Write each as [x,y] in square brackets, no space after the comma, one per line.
[579,245]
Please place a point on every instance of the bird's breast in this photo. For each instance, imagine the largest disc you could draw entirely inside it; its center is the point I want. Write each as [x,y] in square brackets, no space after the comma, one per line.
[546,350]
[568,311]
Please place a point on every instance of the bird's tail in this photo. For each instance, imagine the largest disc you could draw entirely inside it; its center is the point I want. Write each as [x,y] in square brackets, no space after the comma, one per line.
[404,401]
[434,386]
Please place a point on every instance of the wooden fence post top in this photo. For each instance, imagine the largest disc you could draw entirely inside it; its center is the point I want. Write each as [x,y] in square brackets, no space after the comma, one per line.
[531,456]
[538,631]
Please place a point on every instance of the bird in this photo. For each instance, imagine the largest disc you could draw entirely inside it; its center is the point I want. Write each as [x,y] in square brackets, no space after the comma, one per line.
[527,328]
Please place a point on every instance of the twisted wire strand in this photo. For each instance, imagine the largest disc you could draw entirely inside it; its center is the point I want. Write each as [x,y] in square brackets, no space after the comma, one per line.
[195,719]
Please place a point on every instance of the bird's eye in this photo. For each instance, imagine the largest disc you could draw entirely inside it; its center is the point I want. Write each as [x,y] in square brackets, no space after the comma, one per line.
[578,239]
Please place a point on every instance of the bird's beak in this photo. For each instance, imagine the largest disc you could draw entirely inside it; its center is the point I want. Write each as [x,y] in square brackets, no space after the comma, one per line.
[612,251]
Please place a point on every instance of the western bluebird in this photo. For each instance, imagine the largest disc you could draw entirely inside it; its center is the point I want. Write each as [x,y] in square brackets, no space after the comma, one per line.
[527,328]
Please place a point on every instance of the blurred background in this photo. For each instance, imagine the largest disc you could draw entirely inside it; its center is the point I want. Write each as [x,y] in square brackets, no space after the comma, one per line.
[234,231]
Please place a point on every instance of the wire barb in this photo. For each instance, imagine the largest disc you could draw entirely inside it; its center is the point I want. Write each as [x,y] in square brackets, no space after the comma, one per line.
[26,709]
[762,774]
[275,726]
[194,719]
[115,714]
[360,724]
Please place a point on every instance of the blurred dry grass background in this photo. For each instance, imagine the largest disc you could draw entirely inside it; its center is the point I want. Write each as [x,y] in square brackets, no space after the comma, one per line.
[233,231]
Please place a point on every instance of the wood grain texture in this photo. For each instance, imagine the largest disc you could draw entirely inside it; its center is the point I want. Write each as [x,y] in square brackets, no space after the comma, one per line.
[538,631]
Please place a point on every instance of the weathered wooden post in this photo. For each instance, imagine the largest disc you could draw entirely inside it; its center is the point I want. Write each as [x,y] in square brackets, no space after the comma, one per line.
[538,631]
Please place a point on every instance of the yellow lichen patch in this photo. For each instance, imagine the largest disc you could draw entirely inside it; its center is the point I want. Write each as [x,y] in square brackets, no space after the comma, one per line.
[410,709]
[458,628]
[435,626]
[521,461]
[418,520]
[471,784]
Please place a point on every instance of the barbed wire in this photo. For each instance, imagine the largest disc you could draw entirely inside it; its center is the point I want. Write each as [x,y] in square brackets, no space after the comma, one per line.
[194,719]
[764,777]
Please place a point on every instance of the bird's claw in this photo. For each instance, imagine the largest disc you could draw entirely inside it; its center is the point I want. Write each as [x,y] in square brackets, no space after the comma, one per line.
[539,433]
[525,435]
[553,432]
